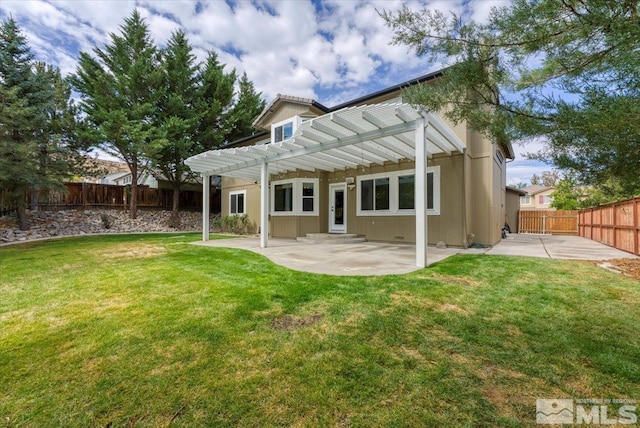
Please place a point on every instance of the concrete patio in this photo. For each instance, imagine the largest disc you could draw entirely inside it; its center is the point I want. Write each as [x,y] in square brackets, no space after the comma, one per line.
[556,247]
[376,258]
[365,258]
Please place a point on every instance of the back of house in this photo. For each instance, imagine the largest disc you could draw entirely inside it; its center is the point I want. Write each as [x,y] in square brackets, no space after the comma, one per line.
[350,179]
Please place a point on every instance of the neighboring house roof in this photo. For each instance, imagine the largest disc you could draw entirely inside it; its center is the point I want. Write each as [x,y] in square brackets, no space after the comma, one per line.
[536,188]
[147,173]
[516,190]
[115,175]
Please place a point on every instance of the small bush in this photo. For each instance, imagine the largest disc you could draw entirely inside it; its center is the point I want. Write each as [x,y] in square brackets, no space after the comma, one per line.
[217,224]
[235,224]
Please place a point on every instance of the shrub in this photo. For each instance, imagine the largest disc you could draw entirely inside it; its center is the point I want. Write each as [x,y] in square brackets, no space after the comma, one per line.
[235,224]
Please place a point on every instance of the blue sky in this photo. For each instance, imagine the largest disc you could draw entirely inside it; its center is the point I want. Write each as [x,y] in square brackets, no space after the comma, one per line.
[332,51]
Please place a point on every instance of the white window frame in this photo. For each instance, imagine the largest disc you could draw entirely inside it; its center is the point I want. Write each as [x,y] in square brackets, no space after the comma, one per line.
[527,200]
[295,121]
[297,184]
[244,205]
[394,209]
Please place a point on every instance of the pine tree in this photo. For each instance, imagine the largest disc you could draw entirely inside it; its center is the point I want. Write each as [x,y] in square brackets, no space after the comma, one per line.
[119,90]
[34,97]
[59,154]
[197,111]
[248,106]
[215,100]
[177,116]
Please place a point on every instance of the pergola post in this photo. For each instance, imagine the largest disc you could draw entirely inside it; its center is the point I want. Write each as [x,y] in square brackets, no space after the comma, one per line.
[264,204]
[206,195]
[421,193]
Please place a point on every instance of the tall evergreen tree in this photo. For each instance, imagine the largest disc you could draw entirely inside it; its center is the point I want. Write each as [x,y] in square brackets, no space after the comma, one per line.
[215,100]
[248,106]
[197,111]
[119,89]
[32,154]
[178,116]
[59,153]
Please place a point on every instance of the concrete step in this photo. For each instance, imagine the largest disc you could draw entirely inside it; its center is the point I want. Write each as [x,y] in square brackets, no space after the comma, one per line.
[332,238]
[331,241]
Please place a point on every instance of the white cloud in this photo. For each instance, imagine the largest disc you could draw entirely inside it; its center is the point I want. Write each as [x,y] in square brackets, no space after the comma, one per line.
[341,51]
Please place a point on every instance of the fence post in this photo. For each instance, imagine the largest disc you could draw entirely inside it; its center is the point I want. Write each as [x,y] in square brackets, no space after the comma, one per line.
[84,195]
[613,220]
[544,224]
[636,230]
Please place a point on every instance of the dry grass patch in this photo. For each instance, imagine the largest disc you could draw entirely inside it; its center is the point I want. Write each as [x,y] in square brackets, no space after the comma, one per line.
[464,281]
[448,307]
[292,322]
[404,298]
[131,250]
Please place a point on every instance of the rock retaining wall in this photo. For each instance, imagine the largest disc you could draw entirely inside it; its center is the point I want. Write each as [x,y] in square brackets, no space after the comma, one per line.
[46,224]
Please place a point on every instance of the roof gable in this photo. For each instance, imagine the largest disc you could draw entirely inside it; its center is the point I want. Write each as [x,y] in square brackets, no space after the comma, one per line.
[295,104]
[536,188]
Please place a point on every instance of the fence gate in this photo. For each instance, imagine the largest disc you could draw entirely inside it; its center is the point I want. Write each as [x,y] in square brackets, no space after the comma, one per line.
[552,222]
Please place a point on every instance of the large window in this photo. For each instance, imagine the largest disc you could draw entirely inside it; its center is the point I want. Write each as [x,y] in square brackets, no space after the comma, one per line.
[283,197]
[375,194]
[237,202]
[525,200]
[298,196]
[406,192]
[394,193]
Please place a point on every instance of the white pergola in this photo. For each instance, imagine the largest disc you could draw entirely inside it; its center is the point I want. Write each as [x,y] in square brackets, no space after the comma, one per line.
[356,136]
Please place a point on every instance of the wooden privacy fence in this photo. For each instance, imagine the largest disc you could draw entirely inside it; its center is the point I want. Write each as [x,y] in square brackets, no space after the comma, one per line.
[88,195]
[616,224]
[553,222]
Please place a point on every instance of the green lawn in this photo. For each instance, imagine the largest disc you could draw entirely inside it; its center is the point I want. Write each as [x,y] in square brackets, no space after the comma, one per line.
[151,331]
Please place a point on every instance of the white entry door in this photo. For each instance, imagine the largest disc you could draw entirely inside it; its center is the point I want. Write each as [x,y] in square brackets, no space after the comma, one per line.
[338,208]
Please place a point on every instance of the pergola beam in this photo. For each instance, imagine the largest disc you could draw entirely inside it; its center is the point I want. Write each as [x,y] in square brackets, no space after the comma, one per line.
[337,143]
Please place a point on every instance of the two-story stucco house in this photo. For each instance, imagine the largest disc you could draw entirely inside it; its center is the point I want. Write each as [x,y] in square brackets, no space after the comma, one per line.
[537,197]
[374,166]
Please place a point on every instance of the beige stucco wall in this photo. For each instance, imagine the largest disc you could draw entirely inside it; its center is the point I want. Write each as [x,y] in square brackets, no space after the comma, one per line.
[252,201]
[448,226]
[483,204]
[486,182]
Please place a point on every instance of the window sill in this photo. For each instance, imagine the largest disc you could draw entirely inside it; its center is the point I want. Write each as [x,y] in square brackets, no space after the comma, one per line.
[293,214]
